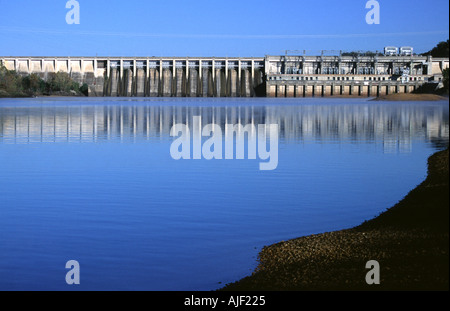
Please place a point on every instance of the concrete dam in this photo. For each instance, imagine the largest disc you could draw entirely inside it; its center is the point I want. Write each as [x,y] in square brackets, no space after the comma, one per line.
[269,76]
[154,77]
[184,78]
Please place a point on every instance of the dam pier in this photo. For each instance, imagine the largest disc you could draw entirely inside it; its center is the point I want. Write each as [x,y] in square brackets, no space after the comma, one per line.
[269,76]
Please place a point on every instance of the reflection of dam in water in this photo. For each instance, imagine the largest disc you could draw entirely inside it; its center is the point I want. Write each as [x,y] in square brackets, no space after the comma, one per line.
[393,125]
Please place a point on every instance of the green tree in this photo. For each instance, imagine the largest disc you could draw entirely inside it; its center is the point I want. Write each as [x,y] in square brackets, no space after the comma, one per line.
[440,50]
[33,84]
[10,83]
[445,73]
[13,84]
[84,89]
[60,82]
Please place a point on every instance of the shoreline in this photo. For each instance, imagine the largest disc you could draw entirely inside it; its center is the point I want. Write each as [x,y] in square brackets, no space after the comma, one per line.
[410,97]
[390,97]
[46,96]
[409,240]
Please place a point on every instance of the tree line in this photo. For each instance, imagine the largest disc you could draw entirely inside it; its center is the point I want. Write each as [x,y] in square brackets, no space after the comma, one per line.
[13,84]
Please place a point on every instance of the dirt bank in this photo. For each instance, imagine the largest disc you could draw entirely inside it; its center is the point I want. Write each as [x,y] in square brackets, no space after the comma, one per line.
[410,97]
[410,241]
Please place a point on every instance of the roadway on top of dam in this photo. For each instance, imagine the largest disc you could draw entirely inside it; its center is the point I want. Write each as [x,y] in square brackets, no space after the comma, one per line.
[132,57]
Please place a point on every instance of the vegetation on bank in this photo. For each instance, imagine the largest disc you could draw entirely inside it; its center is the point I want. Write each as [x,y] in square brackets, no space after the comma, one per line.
[13,84]
[440,50]
[445,80]
[410,97]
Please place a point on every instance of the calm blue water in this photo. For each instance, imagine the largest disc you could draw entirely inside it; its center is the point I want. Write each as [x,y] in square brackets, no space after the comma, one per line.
[92,180]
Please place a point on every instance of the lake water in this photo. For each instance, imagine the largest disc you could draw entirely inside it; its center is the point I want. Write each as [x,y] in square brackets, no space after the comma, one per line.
[93,180]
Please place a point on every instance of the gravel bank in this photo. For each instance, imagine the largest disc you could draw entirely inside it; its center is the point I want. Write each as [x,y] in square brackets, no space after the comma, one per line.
[410,97]
[410,241]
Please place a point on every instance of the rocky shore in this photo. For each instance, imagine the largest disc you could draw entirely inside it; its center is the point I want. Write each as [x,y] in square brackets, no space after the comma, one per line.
[410,241]
[410,97]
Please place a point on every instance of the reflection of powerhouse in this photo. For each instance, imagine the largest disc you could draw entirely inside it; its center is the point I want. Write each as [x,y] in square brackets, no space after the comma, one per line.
[73,16]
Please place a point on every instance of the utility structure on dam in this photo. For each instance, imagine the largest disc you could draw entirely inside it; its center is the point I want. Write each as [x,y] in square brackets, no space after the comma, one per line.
[337,75]
[272,76]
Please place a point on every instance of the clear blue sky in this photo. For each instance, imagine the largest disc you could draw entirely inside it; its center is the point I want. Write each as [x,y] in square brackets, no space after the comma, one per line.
[216,28]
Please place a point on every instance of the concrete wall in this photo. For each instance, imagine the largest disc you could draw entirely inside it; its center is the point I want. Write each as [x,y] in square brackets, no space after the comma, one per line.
[324,89]
[206,77]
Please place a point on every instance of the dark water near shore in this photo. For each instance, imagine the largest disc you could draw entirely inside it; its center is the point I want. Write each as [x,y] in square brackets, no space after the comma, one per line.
[93,180]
